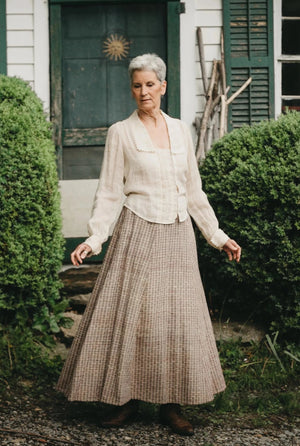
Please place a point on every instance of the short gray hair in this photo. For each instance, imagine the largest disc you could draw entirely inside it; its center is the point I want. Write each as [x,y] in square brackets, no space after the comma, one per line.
[148,62]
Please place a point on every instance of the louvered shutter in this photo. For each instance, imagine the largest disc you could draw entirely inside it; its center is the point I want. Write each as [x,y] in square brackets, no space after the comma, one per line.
[248,27]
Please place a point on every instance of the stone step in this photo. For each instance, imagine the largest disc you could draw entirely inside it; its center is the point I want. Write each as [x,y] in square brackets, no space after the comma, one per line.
[79,280]
[80,301]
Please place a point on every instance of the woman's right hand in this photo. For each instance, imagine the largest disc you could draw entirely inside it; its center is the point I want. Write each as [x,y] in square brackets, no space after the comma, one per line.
[80,253]
[233,250]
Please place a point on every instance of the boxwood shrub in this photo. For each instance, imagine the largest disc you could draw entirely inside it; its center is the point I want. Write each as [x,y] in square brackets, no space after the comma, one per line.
[251,177]
[31,242]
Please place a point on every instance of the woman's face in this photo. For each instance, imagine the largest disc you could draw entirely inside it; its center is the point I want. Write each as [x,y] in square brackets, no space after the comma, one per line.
[147,90]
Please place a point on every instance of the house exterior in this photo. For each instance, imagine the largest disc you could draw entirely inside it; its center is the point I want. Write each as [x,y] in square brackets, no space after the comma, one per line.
[75,53]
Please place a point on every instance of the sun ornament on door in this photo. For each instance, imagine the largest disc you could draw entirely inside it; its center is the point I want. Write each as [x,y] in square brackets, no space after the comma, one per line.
[116,47]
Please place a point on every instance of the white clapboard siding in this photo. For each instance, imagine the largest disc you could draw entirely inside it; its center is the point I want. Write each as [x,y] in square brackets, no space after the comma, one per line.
[17,38]
[28,44]
[19,6]
[22,70]
[201,100]
[211,52]
[211,35]
[198,73]
[19,22]
[20,55]
[20,40]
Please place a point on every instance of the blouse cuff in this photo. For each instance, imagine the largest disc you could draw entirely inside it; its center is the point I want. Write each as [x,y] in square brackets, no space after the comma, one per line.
[219,239]
[95,243]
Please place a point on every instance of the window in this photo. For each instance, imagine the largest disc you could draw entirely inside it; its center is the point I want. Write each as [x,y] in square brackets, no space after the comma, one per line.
[290,55]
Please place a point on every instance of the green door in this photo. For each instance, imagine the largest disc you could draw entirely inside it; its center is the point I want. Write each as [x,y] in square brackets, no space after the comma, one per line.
[91,46]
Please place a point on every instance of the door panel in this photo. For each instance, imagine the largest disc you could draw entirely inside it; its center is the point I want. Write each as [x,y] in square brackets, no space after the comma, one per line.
[82,161]
[84,93]
[98,41]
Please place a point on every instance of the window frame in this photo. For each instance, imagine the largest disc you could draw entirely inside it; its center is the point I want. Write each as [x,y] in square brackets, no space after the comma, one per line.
[280,58]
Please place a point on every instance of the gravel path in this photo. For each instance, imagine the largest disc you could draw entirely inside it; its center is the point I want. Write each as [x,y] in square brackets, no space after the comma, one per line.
[25,422]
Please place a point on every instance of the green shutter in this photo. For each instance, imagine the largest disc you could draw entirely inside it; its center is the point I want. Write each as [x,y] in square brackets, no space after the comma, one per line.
[248,35]
[3,37]
[173,58]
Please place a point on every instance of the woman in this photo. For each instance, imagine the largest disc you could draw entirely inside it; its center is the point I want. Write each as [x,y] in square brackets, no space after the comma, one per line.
[146,333]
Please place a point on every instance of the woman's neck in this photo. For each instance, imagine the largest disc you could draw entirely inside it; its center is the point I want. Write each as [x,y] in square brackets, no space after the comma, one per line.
[152,117]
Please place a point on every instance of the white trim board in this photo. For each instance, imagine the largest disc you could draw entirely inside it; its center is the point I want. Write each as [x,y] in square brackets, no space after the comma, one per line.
[41,52]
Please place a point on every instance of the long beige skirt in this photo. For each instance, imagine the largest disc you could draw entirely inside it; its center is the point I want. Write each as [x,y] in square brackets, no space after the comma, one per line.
[146,333]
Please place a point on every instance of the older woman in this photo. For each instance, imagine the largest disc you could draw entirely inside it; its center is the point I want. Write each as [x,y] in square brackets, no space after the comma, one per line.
[146,333]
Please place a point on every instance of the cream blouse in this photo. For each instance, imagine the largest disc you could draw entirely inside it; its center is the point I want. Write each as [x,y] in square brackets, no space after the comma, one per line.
[158,185]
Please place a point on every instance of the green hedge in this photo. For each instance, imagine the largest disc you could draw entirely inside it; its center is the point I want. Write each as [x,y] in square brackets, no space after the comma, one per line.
[251,177]
[31,242]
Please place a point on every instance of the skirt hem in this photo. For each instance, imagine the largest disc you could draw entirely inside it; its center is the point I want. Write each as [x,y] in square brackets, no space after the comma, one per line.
[145,400]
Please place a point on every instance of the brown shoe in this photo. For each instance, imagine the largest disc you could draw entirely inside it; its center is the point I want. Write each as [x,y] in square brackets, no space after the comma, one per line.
[170,414]
[121,415]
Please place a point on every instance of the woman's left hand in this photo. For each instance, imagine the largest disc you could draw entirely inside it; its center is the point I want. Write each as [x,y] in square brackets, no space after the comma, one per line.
[233,250]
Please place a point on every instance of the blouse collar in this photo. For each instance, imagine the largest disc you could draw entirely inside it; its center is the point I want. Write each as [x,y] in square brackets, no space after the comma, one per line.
[142,138]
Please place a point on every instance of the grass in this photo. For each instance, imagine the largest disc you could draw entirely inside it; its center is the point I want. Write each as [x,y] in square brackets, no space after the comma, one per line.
[258,380]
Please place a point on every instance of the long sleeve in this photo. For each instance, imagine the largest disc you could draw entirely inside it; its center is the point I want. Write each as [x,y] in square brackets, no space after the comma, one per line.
[198,204]
[109,195]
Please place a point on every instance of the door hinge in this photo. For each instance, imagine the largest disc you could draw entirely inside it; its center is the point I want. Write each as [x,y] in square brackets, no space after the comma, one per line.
[181,8]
